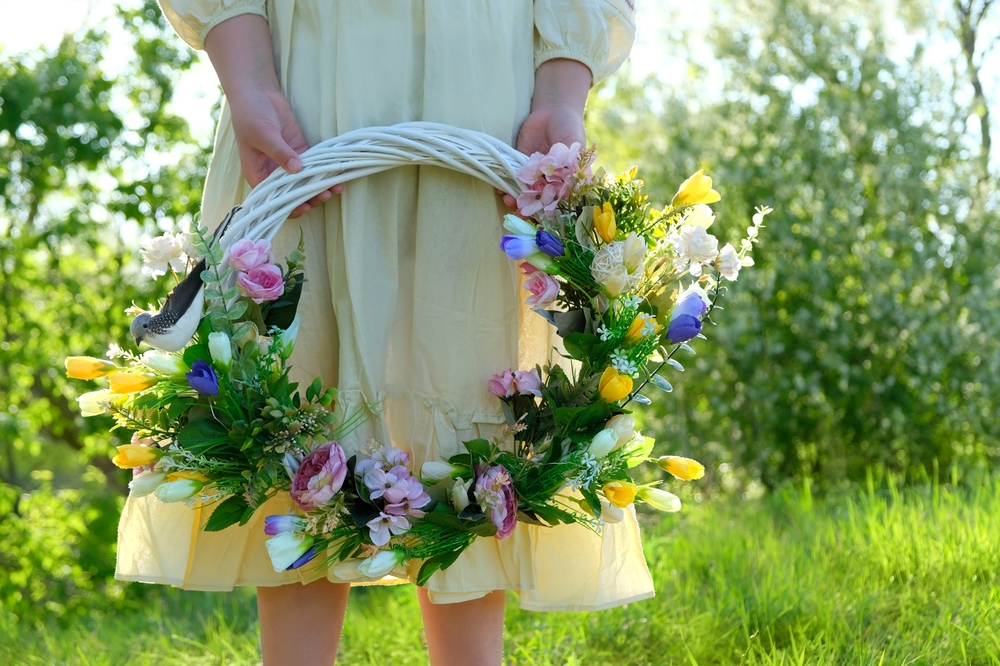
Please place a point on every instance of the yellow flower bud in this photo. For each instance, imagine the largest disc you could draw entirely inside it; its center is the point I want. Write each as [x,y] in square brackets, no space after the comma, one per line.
[635,333]
[620,493]
[604,222]
[131,382]
[188,474]
[133,455]
[88,367]
[684,469]
[696,190]
[613,385]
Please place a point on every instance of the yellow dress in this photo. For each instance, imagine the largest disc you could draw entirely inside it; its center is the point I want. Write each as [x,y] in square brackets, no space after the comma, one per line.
[409,300]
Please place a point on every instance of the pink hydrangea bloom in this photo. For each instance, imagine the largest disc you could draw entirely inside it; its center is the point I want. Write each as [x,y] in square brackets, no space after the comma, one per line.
[319,477]
[246,254]
[261,283]
[549,178]
[495,494]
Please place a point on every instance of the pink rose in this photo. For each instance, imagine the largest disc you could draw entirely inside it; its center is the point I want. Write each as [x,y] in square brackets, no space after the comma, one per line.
[544,289]
[246,254]
[319,477]
[495,494]
[527,382]
[502,386]
[261,283]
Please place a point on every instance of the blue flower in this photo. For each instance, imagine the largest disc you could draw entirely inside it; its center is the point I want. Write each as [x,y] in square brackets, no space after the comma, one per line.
[549,244]
[685,318]
[518,246]
[303,559]
[683,328]
[203,379]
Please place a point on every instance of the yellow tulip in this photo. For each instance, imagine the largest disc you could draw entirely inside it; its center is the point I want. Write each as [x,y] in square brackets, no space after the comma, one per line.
[88,367]
[620,493]
[613,385]
[133,455]
[684,469]
[635,333]
[696,190]
[130,382]
[188,474]
[604,222]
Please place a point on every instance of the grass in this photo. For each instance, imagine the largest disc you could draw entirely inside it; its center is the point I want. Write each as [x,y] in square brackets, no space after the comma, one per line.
[866,577]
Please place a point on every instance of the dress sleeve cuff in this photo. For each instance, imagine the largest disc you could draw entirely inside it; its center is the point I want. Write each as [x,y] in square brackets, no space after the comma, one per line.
[248,7]
[569,54]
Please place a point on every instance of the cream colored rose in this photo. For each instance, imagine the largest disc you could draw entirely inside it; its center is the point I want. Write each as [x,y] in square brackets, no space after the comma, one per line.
[729,263]
[161,254]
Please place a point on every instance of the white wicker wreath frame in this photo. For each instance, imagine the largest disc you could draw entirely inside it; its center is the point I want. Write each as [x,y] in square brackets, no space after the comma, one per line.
[368,151]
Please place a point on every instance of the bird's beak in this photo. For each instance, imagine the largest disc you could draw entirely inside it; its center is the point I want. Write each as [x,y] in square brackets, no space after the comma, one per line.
[138,341]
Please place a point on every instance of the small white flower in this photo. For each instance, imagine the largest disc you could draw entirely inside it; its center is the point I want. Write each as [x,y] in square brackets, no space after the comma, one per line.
[729,263]
[694,246]
[115,351]
[621,363]
[161,254]
[604,333]
[632,301]
[700,215]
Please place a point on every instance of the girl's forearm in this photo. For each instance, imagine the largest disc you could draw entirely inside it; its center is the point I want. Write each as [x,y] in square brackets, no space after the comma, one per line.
[241,53]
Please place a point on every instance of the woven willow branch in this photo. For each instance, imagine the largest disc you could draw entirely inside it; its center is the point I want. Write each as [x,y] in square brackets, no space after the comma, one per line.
[367,151]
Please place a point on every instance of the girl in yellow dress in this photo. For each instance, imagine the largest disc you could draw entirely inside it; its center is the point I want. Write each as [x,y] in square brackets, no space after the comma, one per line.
[408,301]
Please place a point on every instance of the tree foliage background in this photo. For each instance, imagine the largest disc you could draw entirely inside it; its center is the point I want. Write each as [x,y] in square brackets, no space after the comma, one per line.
[866,335]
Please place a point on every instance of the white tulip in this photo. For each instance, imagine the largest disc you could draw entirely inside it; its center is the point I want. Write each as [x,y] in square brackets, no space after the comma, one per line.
[286,338]
[610,513]
[381,564]
[661,500]
[286,547]
[145,483]
[436,470]
[164,364]
[221,349]
[460,494]
[94,403]
[603,443]
[516,225]
[177,491]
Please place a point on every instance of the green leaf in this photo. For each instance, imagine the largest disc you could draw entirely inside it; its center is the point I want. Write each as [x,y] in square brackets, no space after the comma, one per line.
[478,447]
[203,436]
[237,310]
[579,345]
[198,352]
[226,513]
[437,563]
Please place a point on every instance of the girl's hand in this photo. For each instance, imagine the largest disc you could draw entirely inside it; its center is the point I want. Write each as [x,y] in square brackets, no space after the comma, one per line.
[267,133]
[269,136]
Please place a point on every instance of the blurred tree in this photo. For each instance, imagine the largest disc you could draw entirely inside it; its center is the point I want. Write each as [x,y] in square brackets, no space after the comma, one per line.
[866,334]
[81,178]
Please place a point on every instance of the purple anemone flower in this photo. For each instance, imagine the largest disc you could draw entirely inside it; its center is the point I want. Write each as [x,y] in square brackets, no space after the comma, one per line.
[518,246]
[549,244]
[203,379]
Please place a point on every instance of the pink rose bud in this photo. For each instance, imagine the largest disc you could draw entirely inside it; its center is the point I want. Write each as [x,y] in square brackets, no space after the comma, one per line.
[502,386]
[527,382]
[544,289]
[247,254]
[261,283]
[319,477]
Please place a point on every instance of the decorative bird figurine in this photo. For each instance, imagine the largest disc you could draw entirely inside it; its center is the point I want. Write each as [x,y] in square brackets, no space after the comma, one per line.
[178,319]
[173,326]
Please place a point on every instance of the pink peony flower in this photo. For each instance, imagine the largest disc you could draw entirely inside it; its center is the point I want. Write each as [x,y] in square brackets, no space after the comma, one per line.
[246,254]
[544,289]
[527,382]
[319,477]
[502,385]
[495,494]
[261,283]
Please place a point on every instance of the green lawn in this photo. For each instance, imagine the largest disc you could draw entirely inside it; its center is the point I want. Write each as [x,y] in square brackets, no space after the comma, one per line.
[868,577]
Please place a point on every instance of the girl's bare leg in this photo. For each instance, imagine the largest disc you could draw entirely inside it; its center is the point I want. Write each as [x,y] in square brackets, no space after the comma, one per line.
[300,625]
[464,634]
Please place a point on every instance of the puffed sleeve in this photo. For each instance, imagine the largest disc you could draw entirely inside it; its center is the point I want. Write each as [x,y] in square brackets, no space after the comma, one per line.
[193,19]
[598,33]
